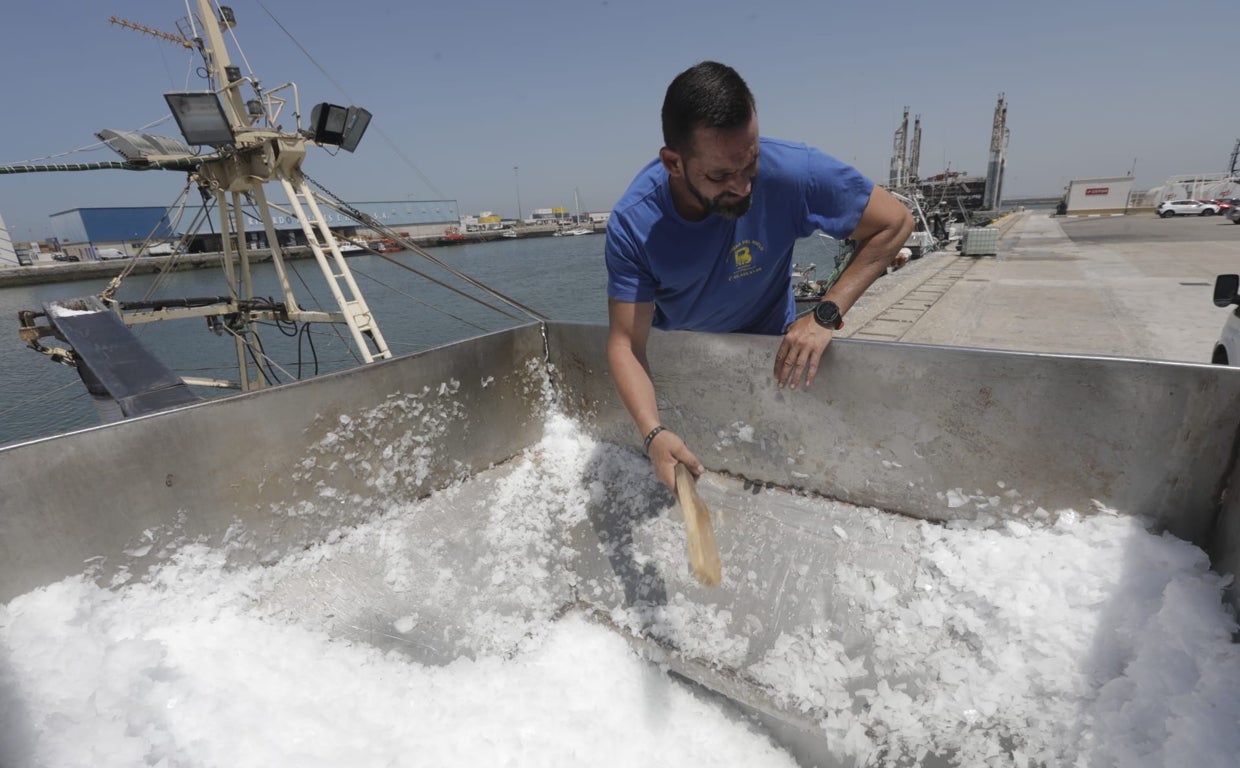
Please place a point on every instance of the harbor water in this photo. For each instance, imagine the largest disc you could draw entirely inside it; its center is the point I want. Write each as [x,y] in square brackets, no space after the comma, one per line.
[561,278]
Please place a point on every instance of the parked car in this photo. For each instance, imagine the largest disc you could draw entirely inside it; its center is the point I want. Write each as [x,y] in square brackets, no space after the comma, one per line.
[1234,214]
[1227,349]
[1169,208]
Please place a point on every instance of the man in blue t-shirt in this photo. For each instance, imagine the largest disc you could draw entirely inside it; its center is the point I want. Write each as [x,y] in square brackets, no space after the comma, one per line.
[702,240]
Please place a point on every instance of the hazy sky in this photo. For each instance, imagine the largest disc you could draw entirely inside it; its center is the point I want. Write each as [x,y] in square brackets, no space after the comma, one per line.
[570,91]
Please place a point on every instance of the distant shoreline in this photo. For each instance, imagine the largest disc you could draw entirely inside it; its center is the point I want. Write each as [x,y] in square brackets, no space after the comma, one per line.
[64,272]
[43,273]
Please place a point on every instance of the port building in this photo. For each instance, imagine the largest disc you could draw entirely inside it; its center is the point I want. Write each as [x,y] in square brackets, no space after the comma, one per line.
[1098,197]
[83,233]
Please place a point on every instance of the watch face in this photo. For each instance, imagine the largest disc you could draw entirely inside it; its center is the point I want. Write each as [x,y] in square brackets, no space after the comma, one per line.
[827,314]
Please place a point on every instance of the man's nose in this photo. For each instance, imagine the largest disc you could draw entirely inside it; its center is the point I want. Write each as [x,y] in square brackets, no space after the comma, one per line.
[740,185]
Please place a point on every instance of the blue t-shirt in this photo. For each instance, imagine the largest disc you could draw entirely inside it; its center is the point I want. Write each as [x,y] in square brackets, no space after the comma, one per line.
[729,275]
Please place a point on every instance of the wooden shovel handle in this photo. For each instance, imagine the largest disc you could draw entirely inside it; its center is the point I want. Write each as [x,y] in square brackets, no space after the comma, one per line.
[703,553]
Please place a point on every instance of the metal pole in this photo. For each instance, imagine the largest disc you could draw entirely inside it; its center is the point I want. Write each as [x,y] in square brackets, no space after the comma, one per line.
[517,177]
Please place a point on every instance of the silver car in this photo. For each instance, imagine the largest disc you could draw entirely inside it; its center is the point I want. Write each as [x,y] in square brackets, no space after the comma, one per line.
[1169,208]
[1227,349]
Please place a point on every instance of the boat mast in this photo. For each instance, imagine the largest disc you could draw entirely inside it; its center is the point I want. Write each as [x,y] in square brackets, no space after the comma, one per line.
[244,154]
[260,155]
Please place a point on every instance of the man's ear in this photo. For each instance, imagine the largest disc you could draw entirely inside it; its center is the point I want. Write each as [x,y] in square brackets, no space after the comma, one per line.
[672,161]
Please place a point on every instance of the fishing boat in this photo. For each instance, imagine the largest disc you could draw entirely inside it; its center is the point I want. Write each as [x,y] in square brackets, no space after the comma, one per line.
[245,152]
[451,506]
[240,152]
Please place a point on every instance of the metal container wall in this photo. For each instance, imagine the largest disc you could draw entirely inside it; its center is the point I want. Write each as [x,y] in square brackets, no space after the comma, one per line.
[115,496]
[887,425]
[902,426]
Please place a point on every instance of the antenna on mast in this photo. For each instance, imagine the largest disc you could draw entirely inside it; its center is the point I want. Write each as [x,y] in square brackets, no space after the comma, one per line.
[144,29]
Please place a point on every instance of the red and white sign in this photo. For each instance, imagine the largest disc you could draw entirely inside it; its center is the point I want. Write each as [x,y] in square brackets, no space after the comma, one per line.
[1097,190]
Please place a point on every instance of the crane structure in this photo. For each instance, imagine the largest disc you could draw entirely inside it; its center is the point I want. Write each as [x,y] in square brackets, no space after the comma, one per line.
[914,153]
[992,196]
[898,177]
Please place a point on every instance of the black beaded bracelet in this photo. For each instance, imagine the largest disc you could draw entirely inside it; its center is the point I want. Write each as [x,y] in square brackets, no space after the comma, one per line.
[650,436]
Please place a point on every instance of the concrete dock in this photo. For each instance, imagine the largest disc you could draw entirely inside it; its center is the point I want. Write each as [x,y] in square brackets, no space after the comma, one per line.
[1126,286]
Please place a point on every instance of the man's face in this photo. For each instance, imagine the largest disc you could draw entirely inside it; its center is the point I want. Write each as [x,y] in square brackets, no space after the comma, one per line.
[720,169]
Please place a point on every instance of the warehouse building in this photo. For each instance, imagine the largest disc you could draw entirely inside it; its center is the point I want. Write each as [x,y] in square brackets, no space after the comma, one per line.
[91,234]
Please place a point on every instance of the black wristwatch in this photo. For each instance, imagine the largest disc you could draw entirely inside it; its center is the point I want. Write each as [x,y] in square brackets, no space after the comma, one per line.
[827,313]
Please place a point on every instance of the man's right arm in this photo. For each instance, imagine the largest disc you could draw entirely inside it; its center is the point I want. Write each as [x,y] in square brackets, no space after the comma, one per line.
[629,329]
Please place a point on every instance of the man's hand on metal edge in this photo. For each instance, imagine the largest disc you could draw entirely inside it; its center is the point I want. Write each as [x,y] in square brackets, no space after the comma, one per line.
[800,352]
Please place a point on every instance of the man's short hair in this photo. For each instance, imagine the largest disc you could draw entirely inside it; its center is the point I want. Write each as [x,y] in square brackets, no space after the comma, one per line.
[706,95]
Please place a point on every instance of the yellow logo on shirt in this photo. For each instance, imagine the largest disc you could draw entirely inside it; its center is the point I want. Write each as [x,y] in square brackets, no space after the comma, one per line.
[742,258]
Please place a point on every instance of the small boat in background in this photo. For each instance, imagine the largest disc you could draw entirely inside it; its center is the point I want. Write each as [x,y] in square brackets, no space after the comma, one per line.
[349,247]
[805,289]
[387,245]
[579,229]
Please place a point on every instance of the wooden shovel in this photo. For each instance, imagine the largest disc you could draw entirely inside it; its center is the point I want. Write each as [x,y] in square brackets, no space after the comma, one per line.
[703,554]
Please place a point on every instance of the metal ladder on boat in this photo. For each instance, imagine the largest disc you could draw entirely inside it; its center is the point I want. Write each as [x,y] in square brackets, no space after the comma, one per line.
[322,242]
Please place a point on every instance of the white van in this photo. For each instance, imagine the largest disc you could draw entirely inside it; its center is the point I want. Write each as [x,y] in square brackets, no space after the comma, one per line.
[104,254]
[1226,294]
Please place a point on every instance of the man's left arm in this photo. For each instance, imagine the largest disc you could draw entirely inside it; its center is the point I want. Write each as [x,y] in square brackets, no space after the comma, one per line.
[883,229]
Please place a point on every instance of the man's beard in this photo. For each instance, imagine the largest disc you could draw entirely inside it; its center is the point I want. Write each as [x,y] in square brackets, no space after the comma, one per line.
[727,205]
